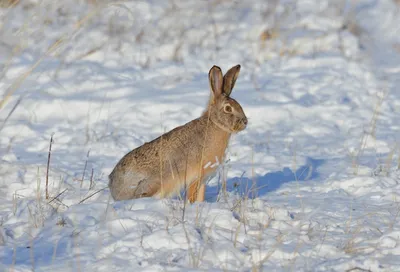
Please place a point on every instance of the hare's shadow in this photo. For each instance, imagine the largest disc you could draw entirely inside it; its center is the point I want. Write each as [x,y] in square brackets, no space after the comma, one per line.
[262,185]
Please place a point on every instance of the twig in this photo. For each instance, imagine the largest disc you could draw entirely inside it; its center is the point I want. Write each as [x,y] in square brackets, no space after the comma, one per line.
[48,167]
[10,113]
[84,168]
[61,203]
[98,191]
[91,180]
[58,195]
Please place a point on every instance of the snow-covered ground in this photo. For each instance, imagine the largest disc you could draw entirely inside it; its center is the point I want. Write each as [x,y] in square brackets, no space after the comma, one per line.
[312,183]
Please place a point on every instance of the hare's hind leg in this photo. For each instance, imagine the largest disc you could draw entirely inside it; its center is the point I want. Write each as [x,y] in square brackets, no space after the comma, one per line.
[196,191]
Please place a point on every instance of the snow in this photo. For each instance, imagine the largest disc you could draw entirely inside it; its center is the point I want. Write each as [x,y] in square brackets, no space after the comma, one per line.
[313,183]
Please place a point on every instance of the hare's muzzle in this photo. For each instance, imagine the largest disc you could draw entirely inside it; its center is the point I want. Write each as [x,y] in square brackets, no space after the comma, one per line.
[244,122]
[240,124]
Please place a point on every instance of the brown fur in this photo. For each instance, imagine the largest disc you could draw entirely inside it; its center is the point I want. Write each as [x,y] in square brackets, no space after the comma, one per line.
[185,156]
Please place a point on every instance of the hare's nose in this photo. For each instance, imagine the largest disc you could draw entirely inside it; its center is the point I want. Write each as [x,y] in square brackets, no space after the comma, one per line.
[245,121]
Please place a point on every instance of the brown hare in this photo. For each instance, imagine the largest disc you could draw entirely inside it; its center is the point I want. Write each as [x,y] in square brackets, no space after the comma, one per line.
[186,156]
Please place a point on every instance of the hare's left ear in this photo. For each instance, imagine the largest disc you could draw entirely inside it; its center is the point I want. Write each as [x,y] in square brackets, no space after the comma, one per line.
[230,79]
[216,82]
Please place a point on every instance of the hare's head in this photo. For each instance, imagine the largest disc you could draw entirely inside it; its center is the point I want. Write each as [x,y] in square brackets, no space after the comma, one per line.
[225,111]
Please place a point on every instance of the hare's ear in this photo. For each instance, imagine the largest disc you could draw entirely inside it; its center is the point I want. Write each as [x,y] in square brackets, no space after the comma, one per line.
[230,79]
[216,81]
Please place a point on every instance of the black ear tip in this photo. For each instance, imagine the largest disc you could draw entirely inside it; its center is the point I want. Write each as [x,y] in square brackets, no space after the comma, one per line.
[215,69]
[237,66]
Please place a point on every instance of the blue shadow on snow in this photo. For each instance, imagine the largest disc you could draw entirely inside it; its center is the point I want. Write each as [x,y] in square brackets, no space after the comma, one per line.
[262,185]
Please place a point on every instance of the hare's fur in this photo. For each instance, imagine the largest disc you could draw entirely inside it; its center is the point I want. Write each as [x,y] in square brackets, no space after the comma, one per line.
[187,155]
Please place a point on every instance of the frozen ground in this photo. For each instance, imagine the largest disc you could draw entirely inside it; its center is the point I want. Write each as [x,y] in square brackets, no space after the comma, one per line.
[319,83]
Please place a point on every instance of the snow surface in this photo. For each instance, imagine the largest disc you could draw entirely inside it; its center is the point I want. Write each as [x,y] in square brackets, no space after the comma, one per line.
[312,183]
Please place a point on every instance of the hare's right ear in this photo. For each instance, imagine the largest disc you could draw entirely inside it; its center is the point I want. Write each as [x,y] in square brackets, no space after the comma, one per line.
[230,79]
[216,82]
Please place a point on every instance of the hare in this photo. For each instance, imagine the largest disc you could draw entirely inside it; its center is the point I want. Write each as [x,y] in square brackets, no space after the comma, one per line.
[186,156]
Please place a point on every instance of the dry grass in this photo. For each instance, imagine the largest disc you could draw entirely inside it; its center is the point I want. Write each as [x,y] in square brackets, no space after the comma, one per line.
[8,3]
[367,133]
[48,167]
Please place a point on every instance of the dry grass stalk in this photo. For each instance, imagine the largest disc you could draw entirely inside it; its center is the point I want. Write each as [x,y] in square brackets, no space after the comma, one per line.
[398,160]
[48,167]
[57,196]
[84,168]
[372,132]
[91,180]
[8,3]
[86,198]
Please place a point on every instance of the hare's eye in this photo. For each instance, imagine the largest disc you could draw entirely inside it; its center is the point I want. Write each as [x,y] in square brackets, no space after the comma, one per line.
[228,108]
